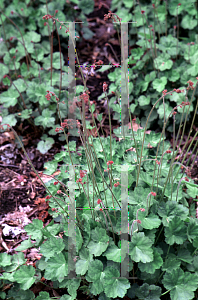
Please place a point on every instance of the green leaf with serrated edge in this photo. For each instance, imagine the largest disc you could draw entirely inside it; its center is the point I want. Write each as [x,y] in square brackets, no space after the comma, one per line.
[9,98]
[159,84]
[83,263]
[16,261]
[175,232]
[184,255]
[188,22]
[5,259]
[50,167]
[148,292]
[140,248]
[45,120]
[139,195]
[24,245]
[57,267]
[52,246]
[192,230]
[148,222]
[114,253]
[43,296]
[55,63]
[162,62]
[171,263]
[143,101]
[44,146]
[114,287]
[170,209]
[72,286]
[25,276]
[34,229]
[98,244]
[18,294]
[150,267]
[182,284]
[193,266]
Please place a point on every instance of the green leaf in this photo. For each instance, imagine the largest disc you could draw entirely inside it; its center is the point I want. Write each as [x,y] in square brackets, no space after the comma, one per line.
[114,253]
[45,120]
[86,6]
[188,22]
[24,276]
[98,244]
[182,284]
[176,231]
[50,167]
[140,248]
[163,62]
[171,263]
[164,108]
[55,63]
[57,267]
[148,292]
[44,146]
[5,259]
[25,114]
[143,101]
[9,98]
[10,119]
[25,245]
[18,294]
[4,70]
[43,296]
[83,263]
[159,84]
[52,246]
[170,209]
[192,230]
[149,222]
[34,229]
[114,287]
[150,267]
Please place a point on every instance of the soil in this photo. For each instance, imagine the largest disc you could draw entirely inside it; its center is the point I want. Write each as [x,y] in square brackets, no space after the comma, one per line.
[21,192]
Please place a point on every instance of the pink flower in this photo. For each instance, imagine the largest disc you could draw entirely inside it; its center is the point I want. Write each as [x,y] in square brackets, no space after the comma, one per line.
[99,201]
[153,193]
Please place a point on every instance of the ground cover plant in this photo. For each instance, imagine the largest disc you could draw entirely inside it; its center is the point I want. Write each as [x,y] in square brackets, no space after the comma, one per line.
[136,182]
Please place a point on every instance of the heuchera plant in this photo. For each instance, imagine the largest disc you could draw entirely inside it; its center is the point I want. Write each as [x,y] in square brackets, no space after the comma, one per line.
[129,202]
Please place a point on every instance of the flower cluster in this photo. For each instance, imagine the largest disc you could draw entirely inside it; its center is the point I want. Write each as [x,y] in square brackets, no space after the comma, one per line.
[157,162]
[83,173]
[116,184]
[190,85]
[184,103]
[85,96]
[153,193]
[110,162]
[112,15]
[168,151]
[48,96]
[80,179]
[105,86]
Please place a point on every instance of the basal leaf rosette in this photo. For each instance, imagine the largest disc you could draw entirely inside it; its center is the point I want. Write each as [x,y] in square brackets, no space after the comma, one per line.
[182,284]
